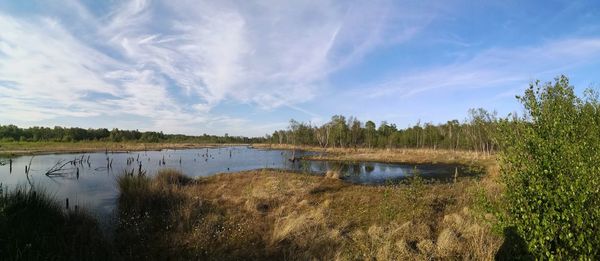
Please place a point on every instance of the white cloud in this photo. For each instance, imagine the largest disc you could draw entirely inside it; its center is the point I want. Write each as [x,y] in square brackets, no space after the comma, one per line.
[270,53]
[172,62]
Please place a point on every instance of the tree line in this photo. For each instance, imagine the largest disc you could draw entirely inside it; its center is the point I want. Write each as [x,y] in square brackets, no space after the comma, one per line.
[474,133]
[63,134]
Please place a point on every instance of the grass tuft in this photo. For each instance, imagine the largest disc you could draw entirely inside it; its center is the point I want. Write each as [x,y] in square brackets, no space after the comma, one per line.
[35,227]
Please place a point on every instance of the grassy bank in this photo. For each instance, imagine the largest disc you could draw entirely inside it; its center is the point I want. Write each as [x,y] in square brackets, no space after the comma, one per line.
[282,215]
[411,156]
[24,148]
[35,227]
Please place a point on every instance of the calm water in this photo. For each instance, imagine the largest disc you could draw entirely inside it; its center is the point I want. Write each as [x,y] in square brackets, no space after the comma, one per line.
[95,188]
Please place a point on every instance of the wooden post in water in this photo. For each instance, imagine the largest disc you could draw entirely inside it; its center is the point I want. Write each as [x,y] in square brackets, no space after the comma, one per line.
[77,173]
[67,203]
[10,165]
[26,171]
[455,174]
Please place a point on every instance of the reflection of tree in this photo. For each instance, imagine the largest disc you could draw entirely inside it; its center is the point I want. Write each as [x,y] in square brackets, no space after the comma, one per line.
[322,166]
[355,169]
[344,168]
[383,167]
[340,167]
[303,165]
[369,168]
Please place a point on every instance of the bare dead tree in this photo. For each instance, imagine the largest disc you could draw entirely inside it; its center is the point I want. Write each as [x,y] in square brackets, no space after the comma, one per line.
[59,168]
[27,169]
[322,135]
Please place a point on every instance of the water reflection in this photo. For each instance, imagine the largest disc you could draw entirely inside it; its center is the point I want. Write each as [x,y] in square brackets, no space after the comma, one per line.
[89,179]
[381,173]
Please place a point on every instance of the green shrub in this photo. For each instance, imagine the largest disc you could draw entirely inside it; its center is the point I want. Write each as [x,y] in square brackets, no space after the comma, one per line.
[549,164]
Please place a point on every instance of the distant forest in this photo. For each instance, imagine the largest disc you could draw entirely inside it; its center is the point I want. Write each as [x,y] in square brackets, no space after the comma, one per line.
[475,133]
[62,134]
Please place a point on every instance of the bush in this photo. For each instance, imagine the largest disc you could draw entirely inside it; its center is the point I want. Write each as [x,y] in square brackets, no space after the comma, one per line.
[549,164]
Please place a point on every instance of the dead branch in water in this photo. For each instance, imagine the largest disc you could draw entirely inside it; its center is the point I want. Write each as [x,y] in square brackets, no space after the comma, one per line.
[60,167]
[27,169]
[57,169]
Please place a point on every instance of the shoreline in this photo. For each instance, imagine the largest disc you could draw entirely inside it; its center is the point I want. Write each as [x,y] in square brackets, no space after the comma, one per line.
[393,156]
[11,149]
[352,155]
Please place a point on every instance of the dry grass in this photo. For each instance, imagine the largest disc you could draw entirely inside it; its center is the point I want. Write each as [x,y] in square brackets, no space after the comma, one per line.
[271,214]
[489,184]
[412,156]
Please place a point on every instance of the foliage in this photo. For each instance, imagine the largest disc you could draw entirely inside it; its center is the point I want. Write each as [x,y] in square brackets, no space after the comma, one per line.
[35,134]
[475,133]
[549,164]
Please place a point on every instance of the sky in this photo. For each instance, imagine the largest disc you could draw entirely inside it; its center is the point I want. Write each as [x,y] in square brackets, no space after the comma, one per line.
[248,67]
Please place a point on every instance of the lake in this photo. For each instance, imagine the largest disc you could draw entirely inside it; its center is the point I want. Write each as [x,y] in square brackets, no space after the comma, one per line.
[91,181]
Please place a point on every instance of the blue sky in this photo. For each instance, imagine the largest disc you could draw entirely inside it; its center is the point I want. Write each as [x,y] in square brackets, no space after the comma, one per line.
[247,67]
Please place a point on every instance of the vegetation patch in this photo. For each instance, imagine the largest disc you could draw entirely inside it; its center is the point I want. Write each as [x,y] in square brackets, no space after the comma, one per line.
[35,227]
[282,215]
[549,163]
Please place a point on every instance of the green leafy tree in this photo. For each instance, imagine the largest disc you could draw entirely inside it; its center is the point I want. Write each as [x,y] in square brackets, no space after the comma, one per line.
[550,166]
[339,130]
[370,133]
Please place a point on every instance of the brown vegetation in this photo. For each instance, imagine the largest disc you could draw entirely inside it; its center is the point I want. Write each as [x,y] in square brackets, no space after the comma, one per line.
[412,156]
[283,215]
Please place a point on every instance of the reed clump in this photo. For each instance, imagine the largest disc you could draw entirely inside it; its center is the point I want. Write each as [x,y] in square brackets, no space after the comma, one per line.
[34,226]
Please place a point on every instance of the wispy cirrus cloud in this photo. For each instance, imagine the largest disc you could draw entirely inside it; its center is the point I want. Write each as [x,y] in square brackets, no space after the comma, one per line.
[172,62]
[492,67]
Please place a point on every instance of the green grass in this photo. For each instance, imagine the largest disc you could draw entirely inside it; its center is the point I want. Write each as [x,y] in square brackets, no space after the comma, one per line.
[35,227]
